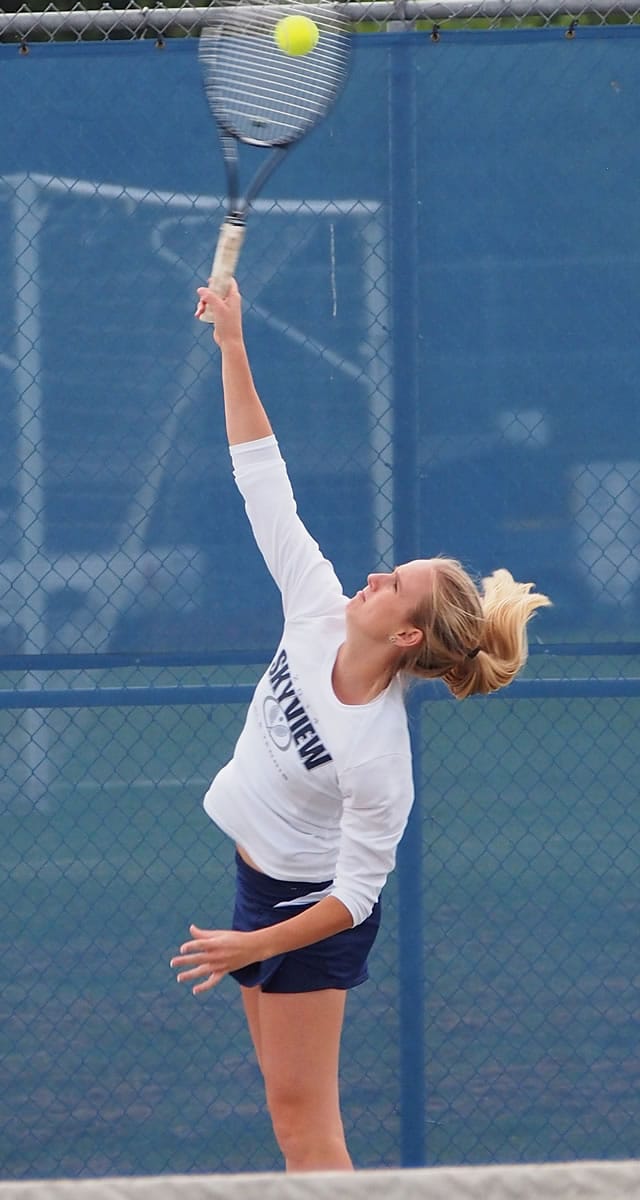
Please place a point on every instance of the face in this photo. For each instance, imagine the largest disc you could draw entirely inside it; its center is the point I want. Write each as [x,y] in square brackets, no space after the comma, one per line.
[384,608]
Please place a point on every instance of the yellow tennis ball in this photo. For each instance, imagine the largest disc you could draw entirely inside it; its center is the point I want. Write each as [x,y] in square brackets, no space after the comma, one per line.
[296,35]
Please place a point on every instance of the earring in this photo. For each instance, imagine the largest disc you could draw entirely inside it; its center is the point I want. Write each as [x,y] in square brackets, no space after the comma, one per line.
[392,637]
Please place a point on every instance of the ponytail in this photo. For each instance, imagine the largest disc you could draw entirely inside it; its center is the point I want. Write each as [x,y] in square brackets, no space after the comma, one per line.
[475,639]
[507,607]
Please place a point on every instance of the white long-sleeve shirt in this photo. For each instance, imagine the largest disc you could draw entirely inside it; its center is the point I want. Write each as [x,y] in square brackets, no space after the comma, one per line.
[316,790]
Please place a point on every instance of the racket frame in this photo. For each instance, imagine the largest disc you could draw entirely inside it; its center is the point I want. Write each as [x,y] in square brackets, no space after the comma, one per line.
[232,231]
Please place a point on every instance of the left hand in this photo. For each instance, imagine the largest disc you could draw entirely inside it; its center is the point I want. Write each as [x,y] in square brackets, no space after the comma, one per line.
[213,953]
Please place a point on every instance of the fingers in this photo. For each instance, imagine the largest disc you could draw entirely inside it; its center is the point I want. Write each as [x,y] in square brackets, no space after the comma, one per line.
[188,960]
[203,945]
[208,984]
[208,956]
[212,978]
[196,958]
[191,953]
[209,297]
[217,305]
[212,300]
[208,300]
[203,967]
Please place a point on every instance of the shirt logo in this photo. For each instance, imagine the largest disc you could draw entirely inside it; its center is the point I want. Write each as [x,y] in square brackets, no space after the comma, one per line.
[286,720]
[275,724]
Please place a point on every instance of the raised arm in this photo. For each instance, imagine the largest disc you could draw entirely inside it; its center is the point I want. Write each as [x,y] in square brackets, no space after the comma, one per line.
[306,580]
[245,416]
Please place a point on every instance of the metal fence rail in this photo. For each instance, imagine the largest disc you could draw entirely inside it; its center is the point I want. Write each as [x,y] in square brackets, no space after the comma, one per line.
[110,697]
[160,20]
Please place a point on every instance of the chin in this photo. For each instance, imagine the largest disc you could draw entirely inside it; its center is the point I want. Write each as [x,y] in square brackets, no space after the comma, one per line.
[352,613]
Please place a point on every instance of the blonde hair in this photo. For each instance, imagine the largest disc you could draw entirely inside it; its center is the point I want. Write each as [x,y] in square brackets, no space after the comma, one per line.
[474,638]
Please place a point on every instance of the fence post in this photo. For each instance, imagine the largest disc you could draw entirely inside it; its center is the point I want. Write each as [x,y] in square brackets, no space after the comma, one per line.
[403,237]
[411,941]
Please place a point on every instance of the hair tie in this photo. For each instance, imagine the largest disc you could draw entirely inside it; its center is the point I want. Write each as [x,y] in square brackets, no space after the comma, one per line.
[474,653]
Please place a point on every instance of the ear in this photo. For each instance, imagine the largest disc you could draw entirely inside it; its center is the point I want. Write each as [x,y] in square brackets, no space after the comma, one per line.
[409,638]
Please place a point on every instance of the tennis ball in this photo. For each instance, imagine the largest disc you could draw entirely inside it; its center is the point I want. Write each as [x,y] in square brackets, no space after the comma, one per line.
[296,35]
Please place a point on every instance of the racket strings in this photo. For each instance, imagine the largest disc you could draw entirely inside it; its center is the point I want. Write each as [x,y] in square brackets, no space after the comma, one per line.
[250,84]
[256,115]
[260,94]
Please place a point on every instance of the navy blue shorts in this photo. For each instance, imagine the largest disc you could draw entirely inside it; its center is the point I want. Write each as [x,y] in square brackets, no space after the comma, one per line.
[339,961]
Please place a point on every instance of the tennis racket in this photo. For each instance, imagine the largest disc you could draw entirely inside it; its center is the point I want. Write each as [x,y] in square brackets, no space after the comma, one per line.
[263,97]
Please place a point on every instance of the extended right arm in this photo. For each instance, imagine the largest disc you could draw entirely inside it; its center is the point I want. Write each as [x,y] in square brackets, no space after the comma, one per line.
[245,416]
[306,580]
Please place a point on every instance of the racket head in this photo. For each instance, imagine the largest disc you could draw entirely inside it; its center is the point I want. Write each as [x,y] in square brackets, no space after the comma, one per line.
[257,93]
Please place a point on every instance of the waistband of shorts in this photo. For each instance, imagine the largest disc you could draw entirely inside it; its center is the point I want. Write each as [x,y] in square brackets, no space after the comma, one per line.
[272,890]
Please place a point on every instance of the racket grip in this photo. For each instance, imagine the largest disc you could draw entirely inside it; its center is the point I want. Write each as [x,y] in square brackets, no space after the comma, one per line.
[225,260]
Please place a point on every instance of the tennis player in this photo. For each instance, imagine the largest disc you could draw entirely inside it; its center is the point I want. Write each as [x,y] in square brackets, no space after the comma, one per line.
[317,794]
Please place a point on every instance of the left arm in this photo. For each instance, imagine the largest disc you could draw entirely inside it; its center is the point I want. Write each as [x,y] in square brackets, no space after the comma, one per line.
[378,797]
[214,952]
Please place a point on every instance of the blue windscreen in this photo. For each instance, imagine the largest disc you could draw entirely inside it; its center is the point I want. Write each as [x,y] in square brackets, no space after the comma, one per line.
[439,286]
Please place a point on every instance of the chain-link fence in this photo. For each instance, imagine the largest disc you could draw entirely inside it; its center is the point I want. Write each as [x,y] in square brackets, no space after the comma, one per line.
[441,298]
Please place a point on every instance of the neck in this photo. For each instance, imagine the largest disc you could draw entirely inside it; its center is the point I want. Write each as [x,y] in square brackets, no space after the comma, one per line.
[360,674]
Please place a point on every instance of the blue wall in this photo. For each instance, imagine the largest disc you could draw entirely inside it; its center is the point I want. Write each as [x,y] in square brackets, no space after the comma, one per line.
[500,354]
